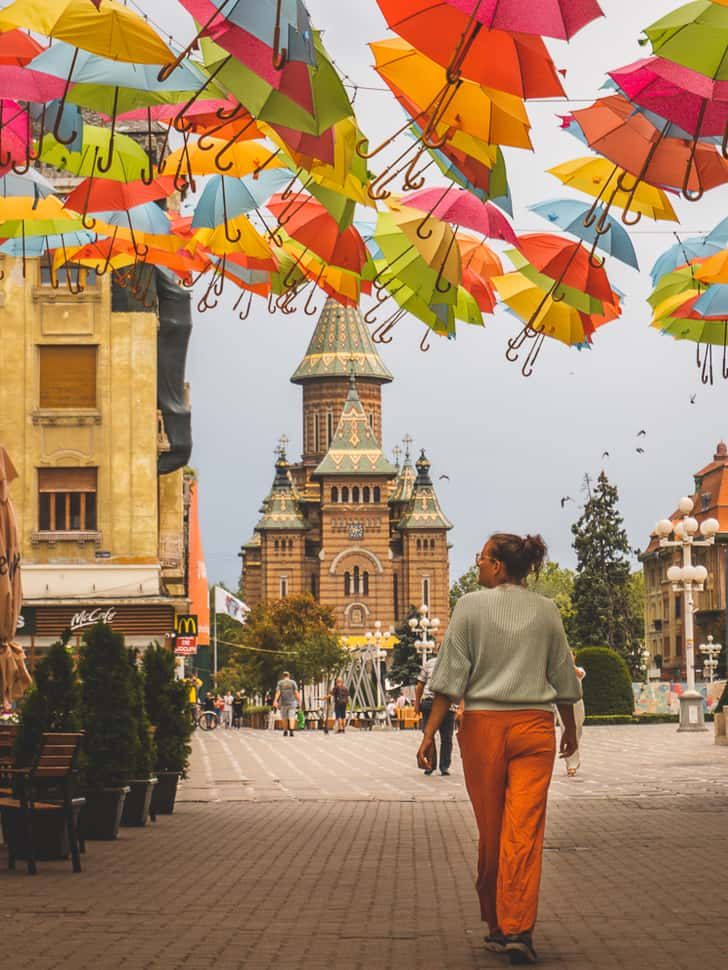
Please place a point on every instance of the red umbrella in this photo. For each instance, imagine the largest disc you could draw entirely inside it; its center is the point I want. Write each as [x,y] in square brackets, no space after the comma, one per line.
[314,227]
[460,208]
[567,262]
[105,195]
[18,48]
[550,18]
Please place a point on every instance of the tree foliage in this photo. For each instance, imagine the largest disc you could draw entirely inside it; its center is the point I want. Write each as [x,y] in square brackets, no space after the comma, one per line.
[51,704]
[273,636]
[468,583]
[608,683]
[146,752]
[168,710]
[605,596]
[406,662]
[318,658]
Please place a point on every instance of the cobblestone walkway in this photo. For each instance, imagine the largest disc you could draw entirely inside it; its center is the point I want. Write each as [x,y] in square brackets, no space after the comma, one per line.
[335,852]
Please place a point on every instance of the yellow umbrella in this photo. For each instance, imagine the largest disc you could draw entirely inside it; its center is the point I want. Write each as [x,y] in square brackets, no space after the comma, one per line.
[598,177]
[335,281]
[714,269]
[437,245]
[222,240]
[665,308]
[421,85]
[545,316]
[242,158]
[112,30]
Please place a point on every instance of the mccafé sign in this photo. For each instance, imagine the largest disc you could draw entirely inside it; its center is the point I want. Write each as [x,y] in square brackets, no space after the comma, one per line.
[86,618]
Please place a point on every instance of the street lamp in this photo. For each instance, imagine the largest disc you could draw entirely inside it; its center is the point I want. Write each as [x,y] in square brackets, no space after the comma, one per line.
[378,654]
[710,651]
[423,625]
[688,579]
[645,663]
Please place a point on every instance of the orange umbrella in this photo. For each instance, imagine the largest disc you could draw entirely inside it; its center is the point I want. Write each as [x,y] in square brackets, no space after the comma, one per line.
[517,63]
[310,223]
[567,262]
[18,48]
[478,257]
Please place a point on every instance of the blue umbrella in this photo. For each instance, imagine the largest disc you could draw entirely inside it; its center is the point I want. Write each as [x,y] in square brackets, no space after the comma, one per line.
[32,185]
[714,302]
[682,252]
[719,235]
[225,198]
[34,246]
[569,215]
[147,217]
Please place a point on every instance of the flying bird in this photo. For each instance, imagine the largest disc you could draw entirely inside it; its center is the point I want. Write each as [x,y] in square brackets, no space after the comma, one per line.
[641,434]
[640,451]
[445,476]
[605,454]
[565,499]
[692,398]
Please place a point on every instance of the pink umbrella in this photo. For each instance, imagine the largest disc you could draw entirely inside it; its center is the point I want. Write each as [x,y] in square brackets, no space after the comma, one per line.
[14,134]
[14,677]
[693,101]
[25,84]
[460,208]
[550,18]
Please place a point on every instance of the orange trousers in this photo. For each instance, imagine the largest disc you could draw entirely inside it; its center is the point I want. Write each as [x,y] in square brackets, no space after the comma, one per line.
[508,760]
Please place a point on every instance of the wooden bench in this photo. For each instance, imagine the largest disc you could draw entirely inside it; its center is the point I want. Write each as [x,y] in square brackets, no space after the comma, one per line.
[46,786]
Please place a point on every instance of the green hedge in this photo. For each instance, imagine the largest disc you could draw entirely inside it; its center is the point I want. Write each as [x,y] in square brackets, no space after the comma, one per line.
[608,684]
[638,719]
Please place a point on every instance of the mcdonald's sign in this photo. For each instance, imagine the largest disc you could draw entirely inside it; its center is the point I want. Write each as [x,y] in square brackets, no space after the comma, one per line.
[185,624]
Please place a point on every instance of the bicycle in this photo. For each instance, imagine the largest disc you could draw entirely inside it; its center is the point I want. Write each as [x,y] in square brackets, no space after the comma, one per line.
[207,721]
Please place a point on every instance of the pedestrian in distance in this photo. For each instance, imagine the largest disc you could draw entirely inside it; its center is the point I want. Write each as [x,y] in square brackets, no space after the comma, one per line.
[209,703]
[227,710]
[340,695]
[574,760]
[423,706]
[287,698]
[505,652]
[219,708]
[238,710]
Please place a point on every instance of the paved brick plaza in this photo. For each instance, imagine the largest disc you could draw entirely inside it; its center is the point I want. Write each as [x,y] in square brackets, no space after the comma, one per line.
[336,852]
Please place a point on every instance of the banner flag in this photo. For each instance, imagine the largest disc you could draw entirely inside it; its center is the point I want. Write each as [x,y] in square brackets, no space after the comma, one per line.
[227,603]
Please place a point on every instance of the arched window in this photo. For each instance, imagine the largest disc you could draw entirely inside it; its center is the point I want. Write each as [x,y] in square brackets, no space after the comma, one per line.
[290,545]
[366,494]
[377,493]
[275,545]
[334,494]
[365,583]
[347,584]
[419,545]
[356,580]
[355,494]
[345,493]
[432,543]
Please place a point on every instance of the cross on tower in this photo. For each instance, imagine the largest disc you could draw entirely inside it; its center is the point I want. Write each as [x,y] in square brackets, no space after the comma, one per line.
[407,441]
[280,449]
[397,452]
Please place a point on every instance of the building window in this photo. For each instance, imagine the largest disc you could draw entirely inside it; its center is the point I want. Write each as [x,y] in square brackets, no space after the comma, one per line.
[432,543]
[355,494]
[290,545]
[705,501]
[665,648]
[316,432]
[395,596]
[347,584]
[70,273]
[67,499]
[366,495]
[425,591]
[345,493]
[356,616]
[275,545]
[313,586]
[67,377]
[357,589]
[678,606]
[329,428]
[365,583]
[334,494]
[377,493]
[419,545]
[678,645]
[283,587]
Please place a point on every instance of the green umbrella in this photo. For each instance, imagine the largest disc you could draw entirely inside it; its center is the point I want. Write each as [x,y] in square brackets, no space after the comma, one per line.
[330,100]
[671,284]
[573,297]
[128,160]
[695,36]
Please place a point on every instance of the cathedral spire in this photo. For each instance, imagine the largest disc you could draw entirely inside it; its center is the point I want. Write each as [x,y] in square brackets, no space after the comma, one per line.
[354,448]
[281,508]
[423,511]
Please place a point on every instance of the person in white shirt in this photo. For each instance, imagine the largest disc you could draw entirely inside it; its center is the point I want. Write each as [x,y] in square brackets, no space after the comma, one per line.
[574,760]
[227,711]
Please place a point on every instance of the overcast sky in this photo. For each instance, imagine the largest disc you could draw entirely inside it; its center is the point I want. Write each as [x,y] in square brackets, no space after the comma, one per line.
[512,447]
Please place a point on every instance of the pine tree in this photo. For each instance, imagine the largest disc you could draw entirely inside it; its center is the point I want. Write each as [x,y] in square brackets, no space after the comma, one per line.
[604,607]
[406,662]
[168,710]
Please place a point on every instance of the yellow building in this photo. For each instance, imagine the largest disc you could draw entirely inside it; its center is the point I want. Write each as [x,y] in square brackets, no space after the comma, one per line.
[100,495]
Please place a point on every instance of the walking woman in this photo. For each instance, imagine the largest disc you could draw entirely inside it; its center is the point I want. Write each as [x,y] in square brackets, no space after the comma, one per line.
[505,653]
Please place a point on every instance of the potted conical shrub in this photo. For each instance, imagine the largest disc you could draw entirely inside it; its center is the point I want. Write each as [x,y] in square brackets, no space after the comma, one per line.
[111,733]
[141,785]
[168,710]
[51,704]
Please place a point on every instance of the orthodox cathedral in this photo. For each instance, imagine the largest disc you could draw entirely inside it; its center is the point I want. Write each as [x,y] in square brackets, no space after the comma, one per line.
[362,535]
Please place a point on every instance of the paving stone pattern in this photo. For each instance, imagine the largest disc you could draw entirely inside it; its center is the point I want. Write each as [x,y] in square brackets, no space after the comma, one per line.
[335,852]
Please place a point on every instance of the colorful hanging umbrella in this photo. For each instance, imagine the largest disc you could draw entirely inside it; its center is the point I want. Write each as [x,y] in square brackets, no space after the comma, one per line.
[310,224]
[111,30]
[17,48]
[694,35]
[243,158]
[14,134]
[25,84]
[570,215]
[714,269]
[125,160]
[516,63]
[600,179]
[439,249]
[574,296]
[567,262]
[550,18]
[98,195]
[682,252]
[460,208]
[31,185]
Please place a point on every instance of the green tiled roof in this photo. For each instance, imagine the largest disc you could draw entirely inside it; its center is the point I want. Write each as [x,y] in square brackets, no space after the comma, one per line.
[341,341]
[354,449]
[281,510]
[423,511]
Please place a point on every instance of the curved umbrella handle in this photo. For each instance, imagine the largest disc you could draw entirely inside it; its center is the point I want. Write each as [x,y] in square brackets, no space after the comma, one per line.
[596,261]
[425,342]
[414,180]
[280,54]
[105,166]
[687,193]
[440,277]
[724,142]
[244,314]
[61,105]
[103,268]
[271,305]
[706,374]
[532,356]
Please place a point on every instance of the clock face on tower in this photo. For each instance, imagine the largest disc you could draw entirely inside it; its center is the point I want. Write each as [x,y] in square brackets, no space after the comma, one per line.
[356,530]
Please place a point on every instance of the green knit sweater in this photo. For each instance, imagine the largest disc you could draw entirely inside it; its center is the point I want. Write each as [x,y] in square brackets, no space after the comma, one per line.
[505,649]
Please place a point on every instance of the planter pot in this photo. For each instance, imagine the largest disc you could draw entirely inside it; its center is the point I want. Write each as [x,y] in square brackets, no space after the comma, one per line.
[720,727]
[101,815]
[164,793]
[136,805]
[50,838]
